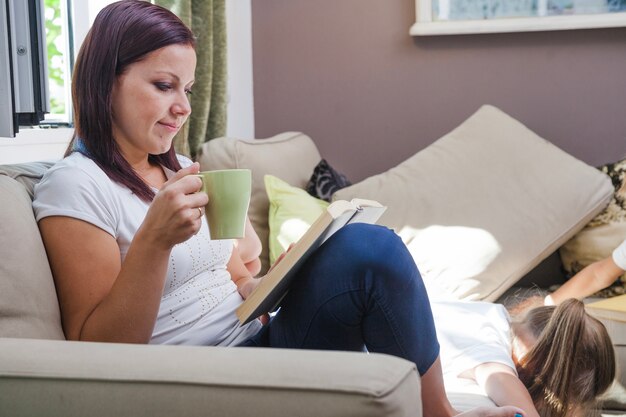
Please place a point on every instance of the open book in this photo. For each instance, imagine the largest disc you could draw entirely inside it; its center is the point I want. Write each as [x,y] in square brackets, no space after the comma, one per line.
[270,291]
[613,308]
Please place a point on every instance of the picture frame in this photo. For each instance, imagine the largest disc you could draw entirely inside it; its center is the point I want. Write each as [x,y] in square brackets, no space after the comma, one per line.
[455,17]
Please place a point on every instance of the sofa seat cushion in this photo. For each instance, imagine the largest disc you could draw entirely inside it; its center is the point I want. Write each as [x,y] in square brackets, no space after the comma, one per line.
[28,302]
[79,378]
[483,205]
[290,156]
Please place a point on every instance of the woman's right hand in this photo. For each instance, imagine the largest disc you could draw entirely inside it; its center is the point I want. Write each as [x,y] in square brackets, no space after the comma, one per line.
[176,211]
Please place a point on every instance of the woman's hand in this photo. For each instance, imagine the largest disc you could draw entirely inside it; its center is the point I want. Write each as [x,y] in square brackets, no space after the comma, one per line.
[281,257]
[176,211]
[246,289]
[247,285]
[250,249]
[240,275]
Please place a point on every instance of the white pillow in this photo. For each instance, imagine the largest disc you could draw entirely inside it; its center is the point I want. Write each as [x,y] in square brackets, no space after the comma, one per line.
[483,205]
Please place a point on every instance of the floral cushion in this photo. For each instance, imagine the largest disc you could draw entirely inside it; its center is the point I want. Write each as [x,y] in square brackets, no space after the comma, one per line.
[602,234]
[325,181]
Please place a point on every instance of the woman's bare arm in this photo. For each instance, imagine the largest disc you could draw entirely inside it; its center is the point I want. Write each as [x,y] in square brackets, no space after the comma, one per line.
[100,300]
[103,299]
[249,249]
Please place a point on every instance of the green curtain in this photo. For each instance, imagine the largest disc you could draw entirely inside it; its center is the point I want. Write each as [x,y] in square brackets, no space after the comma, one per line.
[207,20]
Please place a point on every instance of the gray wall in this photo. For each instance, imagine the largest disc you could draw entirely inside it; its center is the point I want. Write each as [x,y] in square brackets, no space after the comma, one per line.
[347,73]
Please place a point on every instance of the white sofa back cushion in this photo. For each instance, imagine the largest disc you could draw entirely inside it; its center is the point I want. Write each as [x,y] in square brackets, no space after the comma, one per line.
[28,301]
[290,156]
[483,205]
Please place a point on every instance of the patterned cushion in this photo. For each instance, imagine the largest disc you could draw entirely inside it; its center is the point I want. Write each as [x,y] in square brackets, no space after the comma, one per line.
[603,233]
[325,181]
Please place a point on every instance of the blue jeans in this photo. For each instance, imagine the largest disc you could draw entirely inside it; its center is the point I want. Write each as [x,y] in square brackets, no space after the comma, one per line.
[360,290]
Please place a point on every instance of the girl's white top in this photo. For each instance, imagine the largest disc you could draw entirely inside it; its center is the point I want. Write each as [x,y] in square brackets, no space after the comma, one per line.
[471,333]
[619,255]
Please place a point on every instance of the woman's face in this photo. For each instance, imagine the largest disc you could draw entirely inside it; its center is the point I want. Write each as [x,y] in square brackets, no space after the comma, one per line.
[151,101]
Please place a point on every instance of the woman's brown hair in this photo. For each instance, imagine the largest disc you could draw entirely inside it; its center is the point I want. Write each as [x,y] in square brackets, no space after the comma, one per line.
[123,33]
[571,363]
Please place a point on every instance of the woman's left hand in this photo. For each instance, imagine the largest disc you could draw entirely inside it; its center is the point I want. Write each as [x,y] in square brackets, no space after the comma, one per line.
[246,289]
[243,280]
[249,285]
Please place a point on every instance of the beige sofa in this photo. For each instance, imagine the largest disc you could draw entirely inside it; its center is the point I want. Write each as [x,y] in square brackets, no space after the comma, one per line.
[42,374]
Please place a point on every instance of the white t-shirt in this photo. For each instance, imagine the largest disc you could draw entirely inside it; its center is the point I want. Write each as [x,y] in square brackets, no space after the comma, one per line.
[471,333]
[199,298]
[619,255]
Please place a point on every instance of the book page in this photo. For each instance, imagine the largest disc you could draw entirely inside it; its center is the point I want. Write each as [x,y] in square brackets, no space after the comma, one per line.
[369,211]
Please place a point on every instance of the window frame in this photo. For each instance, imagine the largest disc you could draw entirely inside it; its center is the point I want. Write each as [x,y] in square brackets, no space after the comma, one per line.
[51,136]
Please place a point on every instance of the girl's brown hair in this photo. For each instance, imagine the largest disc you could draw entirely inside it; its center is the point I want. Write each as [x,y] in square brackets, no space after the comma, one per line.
[571,363]
[122,34]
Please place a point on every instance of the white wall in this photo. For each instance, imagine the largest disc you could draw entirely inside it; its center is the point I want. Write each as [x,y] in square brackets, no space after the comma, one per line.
[240,89]
[38,144]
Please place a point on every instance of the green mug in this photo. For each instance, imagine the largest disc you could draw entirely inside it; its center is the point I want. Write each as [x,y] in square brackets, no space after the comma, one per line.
[229,198]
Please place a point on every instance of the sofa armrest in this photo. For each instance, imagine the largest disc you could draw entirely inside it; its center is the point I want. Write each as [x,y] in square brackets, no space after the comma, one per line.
[61,378]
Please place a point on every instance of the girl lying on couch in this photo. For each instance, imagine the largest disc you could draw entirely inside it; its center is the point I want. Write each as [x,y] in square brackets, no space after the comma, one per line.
[122,221]
[563,357]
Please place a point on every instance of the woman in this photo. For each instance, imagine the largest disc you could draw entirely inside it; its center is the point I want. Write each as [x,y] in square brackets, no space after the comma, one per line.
[128,245]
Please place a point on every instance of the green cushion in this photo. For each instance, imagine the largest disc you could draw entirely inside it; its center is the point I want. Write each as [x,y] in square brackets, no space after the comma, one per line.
[292,211]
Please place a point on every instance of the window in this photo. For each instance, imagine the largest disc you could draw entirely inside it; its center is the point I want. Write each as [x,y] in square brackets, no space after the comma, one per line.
[35,62]
[446,17]
[23,98]
[22,140]
[59,53]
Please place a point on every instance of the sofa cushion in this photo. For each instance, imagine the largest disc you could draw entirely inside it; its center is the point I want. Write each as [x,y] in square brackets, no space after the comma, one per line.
[602,234]
[51,378]
[291,156]
[27,174]
[483,205]
[28,302]
[292,211]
